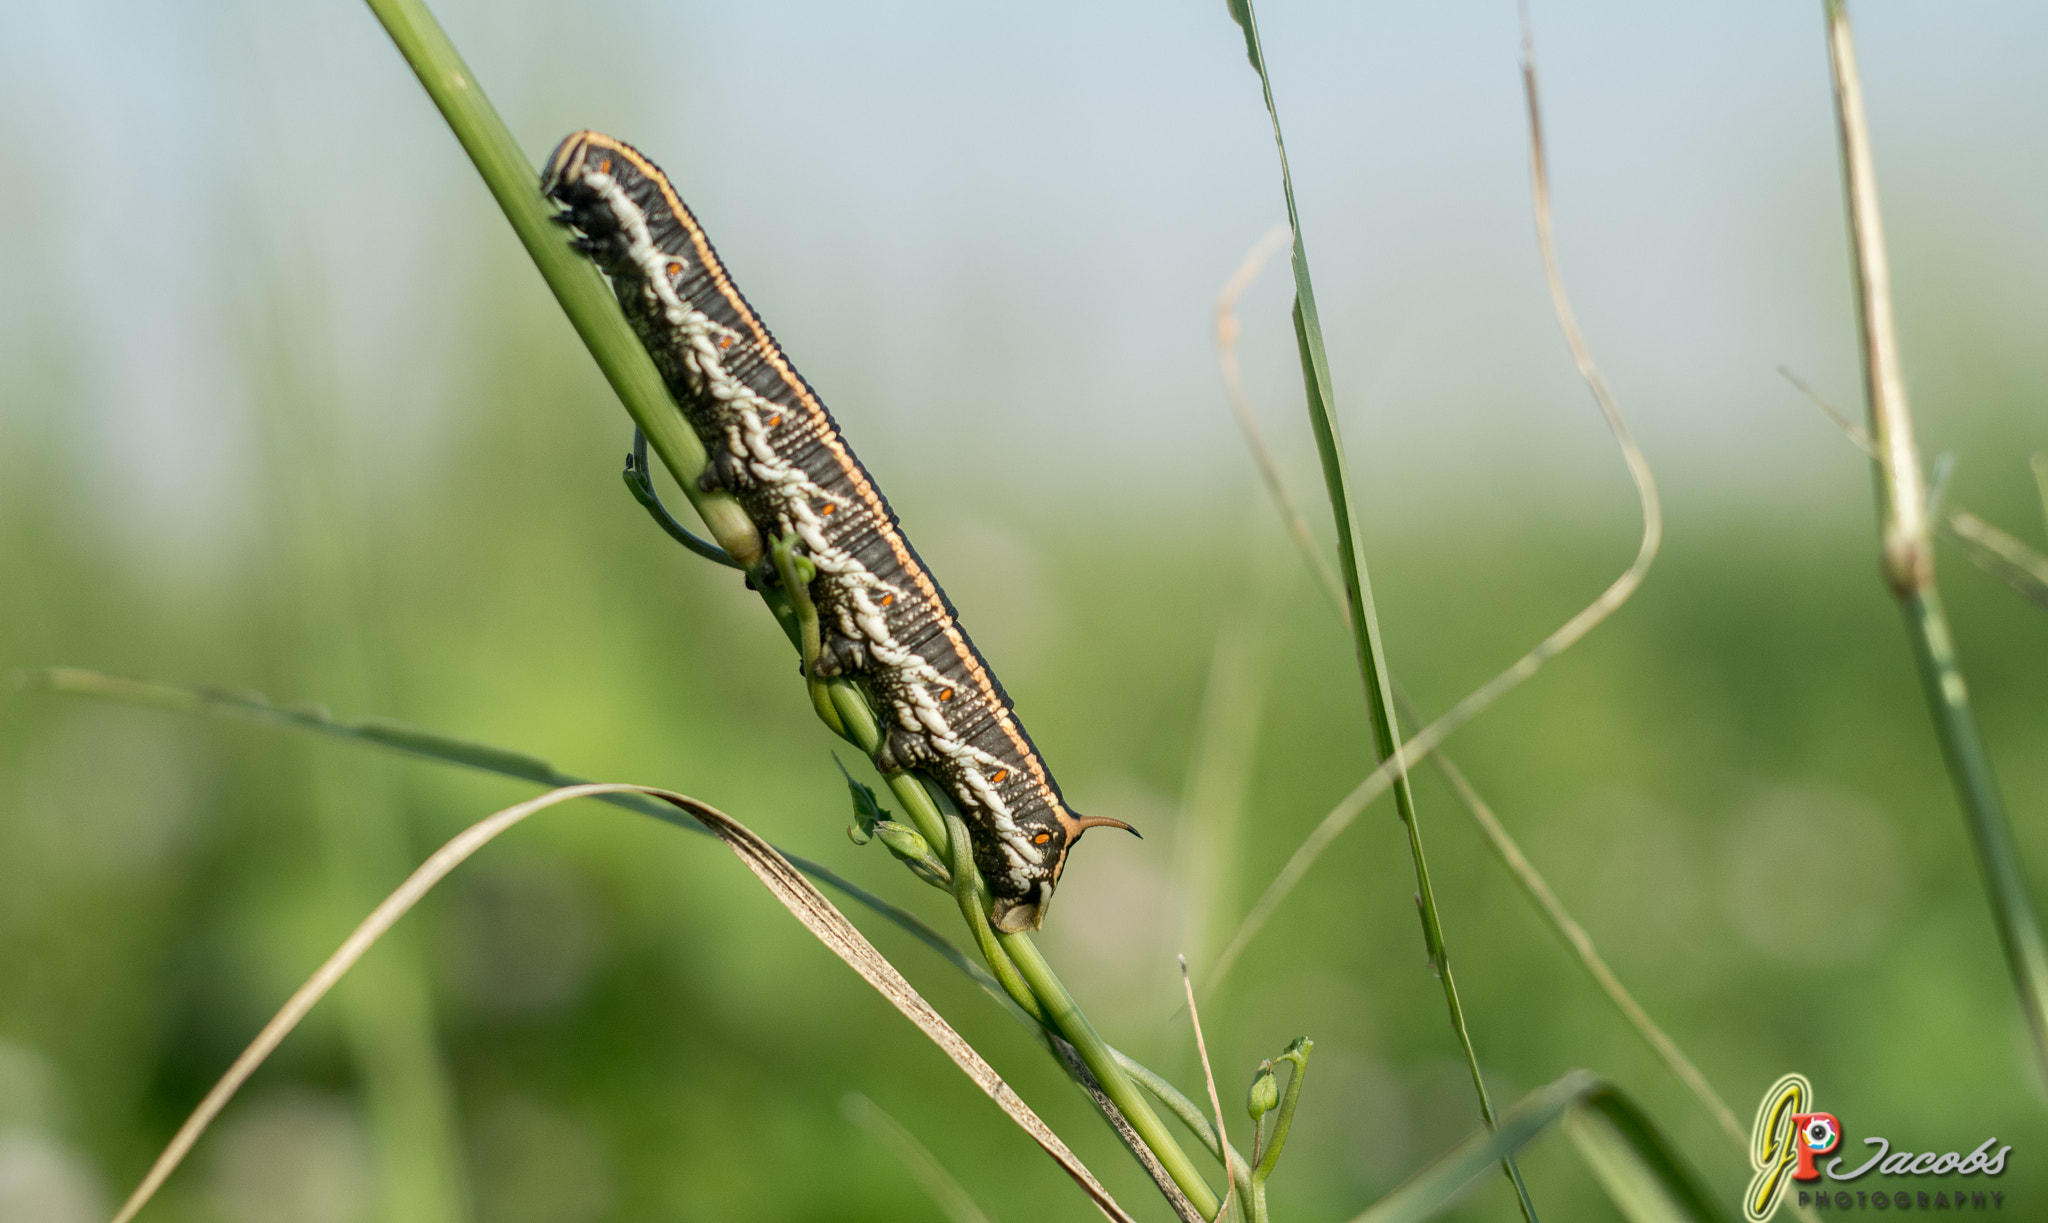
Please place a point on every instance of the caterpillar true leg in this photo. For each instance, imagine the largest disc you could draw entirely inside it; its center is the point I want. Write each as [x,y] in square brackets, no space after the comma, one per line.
[640,482]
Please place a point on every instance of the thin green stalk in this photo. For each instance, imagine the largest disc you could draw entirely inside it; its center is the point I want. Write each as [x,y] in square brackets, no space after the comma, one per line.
[1023,972]
[575,283]
[1969,766]
[1297,1054]
[1073,1024]
[1021,969]
[1366,639]
[975,910]
[1908,550]
[596,316]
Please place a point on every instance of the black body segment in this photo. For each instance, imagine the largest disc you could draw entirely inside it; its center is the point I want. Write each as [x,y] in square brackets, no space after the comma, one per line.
[883,618]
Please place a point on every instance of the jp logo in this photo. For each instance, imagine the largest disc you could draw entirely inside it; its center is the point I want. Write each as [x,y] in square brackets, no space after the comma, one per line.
[1783,1144]
[1789,1138]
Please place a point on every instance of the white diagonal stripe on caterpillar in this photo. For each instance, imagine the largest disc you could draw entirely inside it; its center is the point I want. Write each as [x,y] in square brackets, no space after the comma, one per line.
[703,334]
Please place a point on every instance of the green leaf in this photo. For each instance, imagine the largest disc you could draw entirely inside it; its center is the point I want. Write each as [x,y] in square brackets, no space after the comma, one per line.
[1241,13]
[1364,619]
[447,749]
[1642,1174]
[868,810]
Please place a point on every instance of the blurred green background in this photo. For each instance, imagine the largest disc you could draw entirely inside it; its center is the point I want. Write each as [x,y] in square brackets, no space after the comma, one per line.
[282,409]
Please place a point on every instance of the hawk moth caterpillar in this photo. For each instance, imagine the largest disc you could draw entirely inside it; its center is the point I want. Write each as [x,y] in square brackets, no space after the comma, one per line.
[884,620]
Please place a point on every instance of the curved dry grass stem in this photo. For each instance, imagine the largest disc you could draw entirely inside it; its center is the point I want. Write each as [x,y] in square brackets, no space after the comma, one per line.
[1572,932]
[1855,432]
[1908,555]
[2002,555]
[1908,538]
[1209,1076]
[1430,737]
[1275,240]
[804,901]
[329,974]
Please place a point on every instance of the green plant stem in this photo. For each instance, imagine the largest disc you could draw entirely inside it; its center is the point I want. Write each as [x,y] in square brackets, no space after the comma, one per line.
[576,284]
[1073,1024]
[1364,620]
[974,909]
[1969,767]
[626,365]
[1030,981]
[1016,962]
[1184,1109]
[1908,548]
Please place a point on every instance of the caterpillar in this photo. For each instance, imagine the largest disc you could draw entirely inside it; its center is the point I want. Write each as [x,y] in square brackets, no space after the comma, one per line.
[884,620]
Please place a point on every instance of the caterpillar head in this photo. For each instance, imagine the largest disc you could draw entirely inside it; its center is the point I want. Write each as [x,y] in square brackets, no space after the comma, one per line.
[585,175]
[1013,914]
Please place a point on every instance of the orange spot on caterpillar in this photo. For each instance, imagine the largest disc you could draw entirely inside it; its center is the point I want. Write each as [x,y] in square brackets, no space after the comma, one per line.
[998,778]
[675,269]
[888,599]
[1041,838]
[826,512]
[774,420]
[605,166]
[947,695]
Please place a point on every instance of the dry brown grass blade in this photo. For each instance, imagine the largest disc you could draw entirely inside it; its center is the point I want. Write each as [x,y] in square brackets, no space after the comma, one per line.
[1908,536]
[1187,985]
[1855,432]
[1255,260]
[1538,888]
[796,893]
[2001,555]
[1430,737]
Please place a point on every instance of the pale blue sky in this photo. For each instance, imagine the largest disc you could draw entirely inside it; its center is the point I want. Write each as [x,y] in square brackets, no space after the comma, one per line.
[999,228]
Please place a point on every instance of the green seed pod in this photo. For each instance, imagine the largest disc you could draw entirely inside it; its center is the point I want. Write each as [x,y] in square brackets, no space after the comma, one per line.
[1264,1095]
[902,840]
[914,851]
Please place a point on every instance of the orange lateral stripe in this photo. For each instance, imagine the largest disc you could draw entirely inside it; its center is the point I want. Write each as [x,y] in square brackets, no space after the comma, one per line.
[772,351]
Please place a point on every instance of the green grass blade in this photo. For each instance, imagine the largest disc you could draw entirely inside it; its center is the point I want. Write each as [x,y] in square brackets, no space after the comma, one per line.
[448,749]
[484,757]
[1364,620]
[1635,1164]
[596,317]
[1643,1176]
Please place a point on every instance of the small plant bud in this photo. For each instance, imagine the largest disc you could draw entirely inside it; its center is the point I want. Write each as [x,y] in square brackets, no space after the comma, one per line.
[903,840]
[914,852]
[1265,1094]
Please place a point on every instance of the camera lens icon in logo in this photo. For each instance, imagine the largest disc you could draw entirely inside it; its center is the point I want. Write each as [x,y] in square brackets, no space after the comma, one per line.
[1820,1134]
